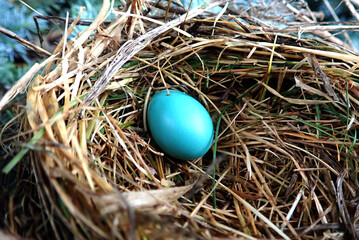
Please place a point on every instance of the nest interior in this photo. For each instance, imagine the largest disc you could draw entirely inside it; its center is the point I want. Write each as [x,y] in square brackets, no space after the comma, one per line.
[283,163]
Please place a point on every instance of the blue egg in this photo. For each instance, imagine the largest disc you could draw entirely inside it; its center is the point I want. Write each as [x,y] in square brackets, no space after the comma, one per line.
[180,125]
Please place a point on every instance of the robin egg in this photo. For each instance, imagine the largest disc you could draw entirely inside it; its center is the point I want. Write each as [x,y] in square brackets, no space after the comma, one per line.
[180,125]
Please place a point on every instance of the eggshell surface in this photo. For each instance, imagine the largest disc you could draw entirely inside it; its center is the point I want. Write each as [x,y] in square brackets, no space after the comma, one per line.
[180,125]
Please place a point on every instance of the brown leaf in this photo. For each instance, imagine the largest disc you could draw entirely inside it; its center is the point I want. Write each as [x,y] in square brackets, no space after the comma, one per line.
[313,62]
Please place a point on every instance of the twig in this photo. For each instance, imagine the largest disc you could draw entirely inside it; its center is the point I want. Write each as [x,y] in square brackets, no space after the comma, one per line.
[55,19]
[323,34]
[171,8]
[22,41]
[346,35]
[352,9]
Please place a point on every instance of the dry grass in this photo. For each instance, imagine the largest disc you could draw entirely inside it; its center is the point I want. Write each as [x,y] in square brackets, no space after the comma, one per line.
[283,163]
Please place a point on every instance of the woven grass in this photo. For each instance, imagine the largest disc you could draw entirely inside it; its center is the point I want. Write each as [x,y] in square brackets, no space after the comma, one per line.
[283,163]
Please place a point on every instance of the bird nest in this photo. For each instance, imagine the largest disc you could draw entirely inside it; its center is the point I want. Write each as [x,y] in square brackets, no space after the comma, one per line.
[283,162]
